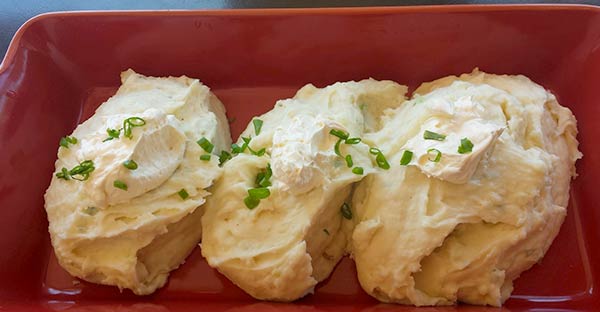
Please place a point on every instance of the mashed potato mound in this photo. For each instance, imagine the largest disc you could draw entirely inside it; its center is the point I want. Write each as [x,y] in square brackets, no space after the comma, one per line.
[463,226]
[129,226]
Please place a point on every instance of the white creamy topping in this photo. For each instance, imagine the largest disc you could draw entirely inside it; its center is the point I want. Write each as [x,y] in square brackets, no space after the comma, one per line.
[301,149]
[456,120]
[157,147]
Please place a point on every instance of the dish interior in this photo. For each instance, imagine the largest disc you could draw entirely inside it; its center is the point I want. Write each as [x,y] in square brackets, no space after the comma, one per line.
[61,66]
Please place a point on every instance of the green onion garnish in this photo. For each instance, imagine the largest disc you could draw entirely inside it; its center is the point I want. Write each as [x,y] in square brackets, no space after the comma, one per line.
[382,162]
[205,157]
[430,135]
[65,141]
[82,171]
[346,211]
[466,146]
[183,194]
[374,150]
[353,141]
[406,158]
[251,202]
[130,164]
[432,152]
[336,148]
[120,185]
[112,134]
[130,123]
[236,149]
[257,125]
[63,174]
[358,170]
[259,192]
[379,158]
[225,156]
[326,232]
[349,161]
[206,145]
[263,178]
[339,133]
[258,153]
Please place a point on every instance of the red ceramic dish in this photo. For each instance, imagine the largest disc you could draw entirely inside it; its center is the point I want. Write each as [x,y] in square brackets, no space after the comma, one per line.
[61,66]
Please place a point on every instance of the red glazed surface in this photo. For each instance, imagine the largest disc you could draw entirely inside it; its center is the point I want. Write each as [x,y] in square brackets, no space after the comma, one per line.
[61,66]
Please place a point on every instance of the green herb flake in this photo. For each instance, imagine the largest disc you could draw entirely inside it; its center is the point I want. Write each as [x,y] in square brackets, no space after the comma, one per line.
[346,211]
[225,156]
[129,124]
[430,135]
[349,161]
[257,125]
[259,192]
[130,164]
[406,157]
[353,141]
[183,194]
[112,134]
[120,185]
[336,148]
[206,145]
[65,141]
[205,157]
[465,147]
[63,174]
[339,133]
[251,202]
[434,155]
[82,171]
[358,170]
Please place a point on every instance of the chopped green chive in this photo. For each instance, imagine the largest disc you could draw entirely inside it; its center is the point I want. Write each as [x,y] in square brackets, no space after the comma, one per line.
[263,178]
[225,156]
[259,192]
[120,185]
[339,133]
[257,125]
[358,170]
[63,174]
[406,158]
[382,162]
[346,211]
[374,150]
[82,171]
[205,145]
[379,158]
[258,153]
[466,146]
[205,157]
[349,161]
[251,202]
[112,134]
[236,149]
[65,141]
[183,194]
[130,123]
[353,141]
[326,232]
[435,153]
[430,135]
[336,148]
[130,164]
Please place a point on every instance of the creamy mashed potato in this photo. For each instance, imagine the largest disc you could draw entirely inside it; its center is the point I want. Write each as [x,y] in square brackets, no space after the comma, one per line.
[480,200]
[292,239]
[124,211]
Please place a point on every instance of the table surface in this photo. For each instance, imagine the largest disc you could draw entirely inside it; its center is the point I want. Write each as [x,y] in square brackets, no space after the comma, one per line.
[13,13]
